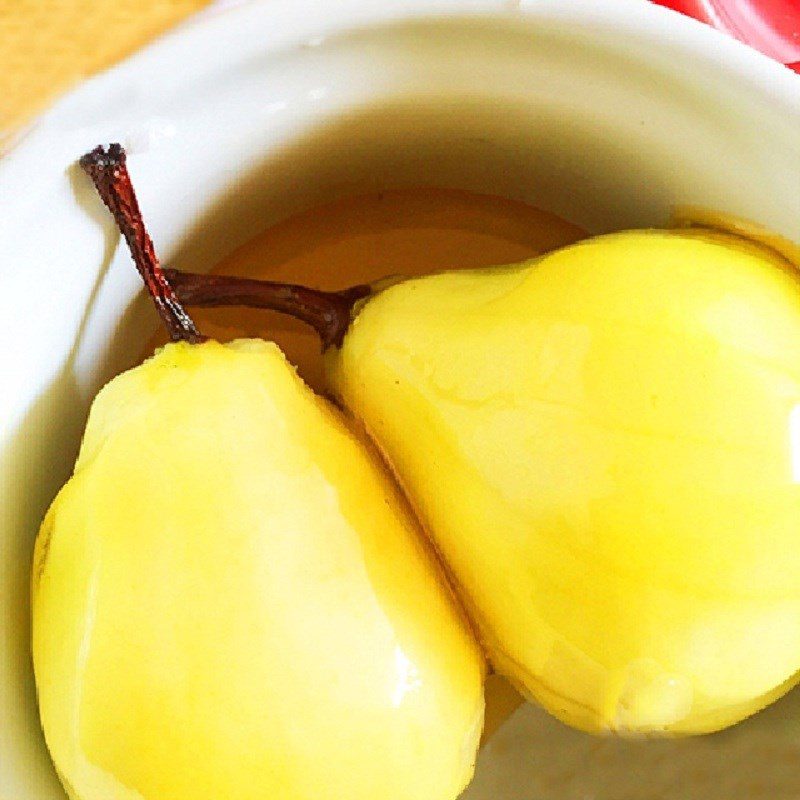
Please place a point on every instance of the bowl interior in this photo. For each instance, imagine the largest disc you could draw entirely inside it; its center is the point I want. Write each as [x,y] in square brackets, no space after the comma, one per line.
[608,119]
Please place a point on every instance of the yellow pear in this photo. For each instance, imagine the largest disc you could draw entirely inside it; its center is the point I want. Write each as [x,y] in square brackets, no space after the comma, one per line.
[604,445]
[231,599]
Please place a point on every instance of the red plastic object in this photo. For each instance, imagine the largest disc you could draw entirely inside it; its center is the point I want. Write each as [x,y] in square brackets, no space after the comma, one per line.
[771,26]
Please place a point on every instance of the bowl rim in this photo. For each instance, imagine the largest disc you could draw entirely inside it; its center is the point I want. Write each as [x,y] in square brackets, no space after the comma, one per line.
[652,24]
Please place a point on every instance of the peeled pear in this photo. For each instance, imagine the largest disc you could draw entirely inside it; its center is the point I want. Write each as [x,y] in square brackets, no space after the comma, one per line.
[604,445]
[232,600]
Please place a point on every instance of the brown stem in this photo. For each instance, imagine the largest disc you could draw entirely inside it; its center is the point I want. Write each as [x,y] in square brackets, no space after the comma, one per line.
[107,169]
[329,313]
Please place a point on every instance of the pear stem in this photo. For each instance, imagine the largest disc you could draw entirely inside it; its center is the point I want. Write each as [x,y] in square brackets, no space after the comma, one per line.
[109,172]
[329,313]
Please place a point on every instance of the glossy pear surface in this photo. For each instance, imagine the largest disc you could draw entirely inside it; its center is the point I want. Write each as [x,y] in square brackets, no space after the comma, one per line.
[232,602]
[605,447]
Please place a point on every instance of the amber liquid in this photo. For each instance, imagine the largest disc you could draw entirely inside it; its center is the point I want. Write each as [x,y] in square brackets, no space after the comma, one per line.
[364,238]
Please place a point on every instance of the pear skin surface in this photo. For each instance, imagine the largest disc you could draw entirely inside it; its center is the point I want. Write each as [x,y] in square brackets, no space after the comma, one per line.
[604,445]
[232,600]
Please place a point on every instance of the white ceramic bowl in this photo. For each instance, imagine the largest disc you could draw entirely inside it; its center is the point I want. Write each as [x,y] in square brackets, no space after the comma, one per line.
[607,113]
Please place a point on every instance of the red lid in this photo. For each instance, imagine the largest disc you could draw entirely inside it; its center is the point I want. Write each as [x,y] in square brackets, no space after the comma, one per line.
[771,26]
